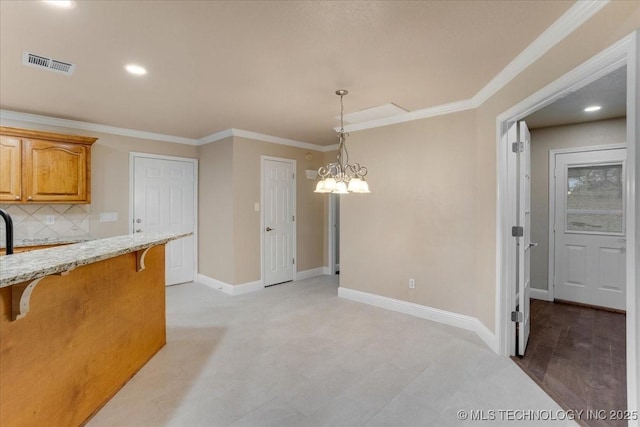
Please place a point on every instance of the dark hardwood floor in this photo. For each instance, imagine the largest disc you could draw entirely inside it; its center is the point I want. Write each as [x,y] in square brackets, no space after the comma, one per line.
[577,355]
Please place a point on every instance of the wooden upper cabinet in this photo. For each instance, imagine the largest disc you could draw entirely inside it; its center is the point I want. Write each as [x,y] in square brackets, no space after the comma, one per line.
[53,168]
[55,171]
[10,168]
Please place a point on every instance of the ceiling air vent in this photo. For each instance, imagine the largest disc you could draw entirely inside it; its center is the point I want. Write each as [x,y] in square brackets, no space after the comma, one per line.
[38,61]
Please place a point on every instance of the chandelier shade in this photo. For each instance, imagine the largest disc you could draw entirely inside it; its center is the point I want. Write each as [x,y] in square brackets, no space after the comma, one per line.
[341,177]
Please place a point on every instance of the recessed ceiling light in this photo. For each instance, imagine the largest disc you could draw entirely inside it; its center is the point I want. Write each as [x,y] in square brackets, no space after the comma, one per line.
[136,69]
[592,108]
[62,4]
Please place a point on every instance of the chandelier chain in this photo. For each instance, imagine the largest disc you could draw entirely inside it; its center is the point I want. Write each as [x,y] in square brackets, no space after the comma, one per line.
[341,115]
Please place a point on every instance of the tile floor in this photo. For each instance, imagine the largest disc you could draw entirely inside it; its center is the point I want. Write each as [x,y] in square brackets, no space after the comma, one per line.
[297,355]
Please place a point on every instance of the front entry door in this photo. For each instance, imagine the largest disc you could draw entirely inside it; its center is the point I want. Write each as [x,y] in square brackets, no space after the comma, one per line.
[590,239]
[164,202]
[278,232]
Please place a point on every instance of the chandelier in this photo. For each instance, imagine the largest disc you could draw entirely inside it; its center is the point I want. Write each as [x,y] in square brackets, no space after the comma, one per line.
[340,177]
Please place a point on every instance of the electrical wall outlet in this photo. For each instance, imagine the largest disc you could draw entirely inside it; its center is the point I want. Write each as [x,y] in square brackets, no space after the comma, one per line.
[412,283]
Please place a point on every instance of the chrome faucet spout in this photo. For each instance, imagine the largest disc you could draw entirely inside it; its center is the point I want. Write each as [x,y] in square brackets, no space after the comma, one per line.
[9,233]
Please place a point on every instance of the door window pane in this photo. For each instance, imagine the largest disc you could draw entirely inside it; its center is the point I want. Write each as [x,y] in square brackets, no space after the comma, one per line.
[594,198]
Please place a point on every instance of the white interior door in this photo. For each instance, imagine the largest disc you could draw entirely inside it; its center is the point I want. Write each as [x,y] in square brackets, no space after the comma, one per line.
[590,239]
[164,201]
[524,241]
[278,208]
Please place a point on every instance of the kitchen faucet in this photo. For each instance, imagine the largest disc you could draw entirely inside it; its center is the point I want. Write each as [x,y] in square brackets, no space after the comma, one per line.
[9,233]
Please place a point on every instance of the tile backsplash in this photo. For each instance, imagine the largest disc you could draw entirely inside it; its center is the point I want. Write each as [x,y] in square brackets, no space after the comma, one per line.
[31,221]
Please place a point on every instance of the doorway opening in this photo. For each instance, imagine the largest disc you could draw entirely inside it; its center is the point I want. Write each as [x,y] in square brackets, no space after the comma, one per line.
[512,314]
[577,345]
[334,234]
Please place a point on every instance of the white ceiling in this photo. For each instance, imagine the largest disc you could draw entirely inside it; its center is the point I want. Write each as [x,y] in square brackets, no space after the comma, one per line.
[270,67]
[610,92]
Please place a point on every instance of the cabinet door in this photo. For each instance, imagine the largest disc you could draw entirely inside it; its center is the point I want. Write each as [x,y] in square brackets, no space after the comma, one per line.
[10,169]
[55,172]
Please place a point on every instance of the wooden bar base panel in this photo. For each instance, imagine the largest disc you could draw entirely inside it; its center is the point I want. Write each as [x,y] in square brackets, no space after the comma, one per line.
[86,334]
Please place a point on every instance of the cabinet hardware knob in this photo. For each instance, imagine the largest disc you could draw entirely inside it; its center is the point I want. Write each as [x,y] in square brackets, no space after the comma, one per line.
[29,198]
[17,197]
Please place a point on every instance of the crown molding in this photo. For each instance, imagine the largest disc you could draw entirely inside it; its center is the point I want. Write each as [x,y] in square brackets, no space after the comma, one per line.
[605,62]
[568,22]
[215,137]
[264,138]
[93,127]
[277,140]
[573,18]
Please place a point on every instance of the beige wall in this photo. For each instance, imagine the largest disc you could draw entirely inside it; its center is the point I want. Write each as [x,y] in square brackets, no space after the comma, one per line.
[444,232]
[309,207]
[110,172]
[215,210]
[230,243]
[418,221]
[542,141]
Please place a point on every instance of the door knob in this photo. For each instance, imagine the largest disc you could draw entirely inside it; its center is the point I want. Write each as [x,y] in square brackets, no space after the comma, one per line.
[269,229]
[138,220]
[533,245]
[139,230]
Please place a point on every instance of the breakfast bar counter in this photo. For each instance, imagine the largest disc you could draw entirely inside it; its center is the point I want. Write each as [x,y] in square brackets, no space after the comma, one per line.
[76,323]
[32,265]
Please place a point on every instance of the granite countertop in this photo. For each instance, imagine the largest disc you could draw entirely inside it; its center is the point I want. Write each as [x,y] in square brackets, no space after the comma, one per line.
[26,266]
[48,241]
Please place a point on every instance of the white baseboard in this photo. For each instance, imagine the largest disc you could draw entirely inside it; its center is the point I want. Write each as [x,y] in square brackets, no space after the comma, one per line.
[441,316]
[308,274]
[215,284]
[486,335]
[542,294]
[244,288]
